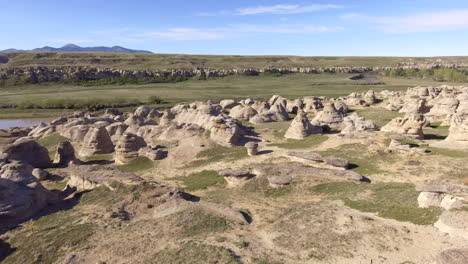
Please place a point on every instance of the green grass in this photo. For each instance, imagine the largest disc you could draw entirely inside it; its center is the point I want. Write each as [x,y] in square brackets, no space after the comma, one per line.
[367,163]
[379,115]
[389,200]
[308,142]
[51,142]
[99,157]
[135,61]
[235,87]
[260,185]
[218,153]
[194,253]
[199,223]
[49,239]
[137,165]
[201,180]
[451,153]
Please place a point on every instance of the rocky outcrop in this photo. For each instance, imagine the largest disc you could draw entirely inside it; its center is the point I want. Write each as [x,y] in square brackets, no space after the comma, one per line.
[237,177]
[127,148]
[243,112]
[29,151]
[96,141]
[411,125]
[454,223]
[64,154]
[452,256]
[86,177]
[277,181]
[22,195]
[458,131]
[317,160]
[301,127]
[330,117]
[356,123]
[444,194]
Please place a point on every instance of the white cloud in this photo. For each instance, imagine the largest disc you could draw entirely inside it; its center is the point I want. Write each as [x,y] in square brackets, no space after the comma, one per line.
[285,9]
[235,31]
[422,22]
[282,9]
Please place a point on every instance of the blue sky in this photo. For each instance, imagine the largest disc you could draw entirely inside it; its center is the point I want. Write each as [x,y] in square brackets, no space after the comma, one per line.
[315,28]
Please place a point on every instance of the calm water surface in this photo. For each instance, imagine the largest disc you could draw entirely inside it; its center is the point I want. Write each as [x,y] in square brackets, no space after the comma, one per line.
[9,123]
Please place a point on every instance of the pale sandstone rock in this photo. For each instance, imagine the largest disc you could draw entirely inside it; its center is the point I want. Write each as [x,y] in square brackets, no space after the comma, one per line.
[301,127]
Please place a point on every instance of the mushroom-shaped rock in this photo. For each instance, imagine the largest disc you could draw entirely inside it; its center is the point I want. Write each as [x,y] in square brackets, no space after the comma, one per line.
[301,127]
[276,181]
[370,98]
[65,153]
[127,148]
[96,141]
[252,148]
[236,177]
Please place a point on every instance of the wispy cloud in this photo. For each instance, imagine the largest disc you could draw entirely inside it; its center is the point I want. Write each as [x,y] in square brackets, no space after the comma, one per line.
[283,9]
[192,33]
[235,31]
[422,22]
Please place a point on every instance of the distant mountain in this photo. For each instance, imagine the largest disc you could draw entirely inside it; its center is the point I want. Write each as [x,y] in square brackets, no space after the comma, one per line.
[75,48]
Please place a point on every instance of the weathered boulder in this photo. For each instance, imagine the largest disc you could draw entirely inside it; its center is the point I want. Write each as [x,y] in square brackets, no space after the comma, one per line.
[369,97]
[356,123]
[88,177]
[228,104]
[341,106]
[317,160]
[252,148]
[237,177]
[301,127]
[294,106]
[65,153]
[242,112]
[411,124]
[442,193]
[21,193]
[27,150]
[443,108]
[454,223]
[152,154]
[312,104]
[329,117]
[453,256]
[142,111]
[166,118]
[96,141]
[458,131]
[75,133]
[276,181]
[127,148]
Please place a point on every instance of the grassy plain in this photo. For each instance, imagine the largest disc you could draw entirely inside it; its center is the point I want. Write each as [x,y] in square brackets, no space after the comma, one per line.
[291,86]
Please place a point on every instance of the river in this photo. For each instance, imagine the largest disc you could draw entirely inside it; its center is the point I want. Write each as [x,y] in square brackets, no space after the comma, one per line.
[9,123]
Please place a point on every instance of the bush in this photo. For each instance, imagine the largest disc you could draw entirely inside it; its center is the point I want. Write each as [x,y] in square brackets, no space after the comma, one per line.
[154,100]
